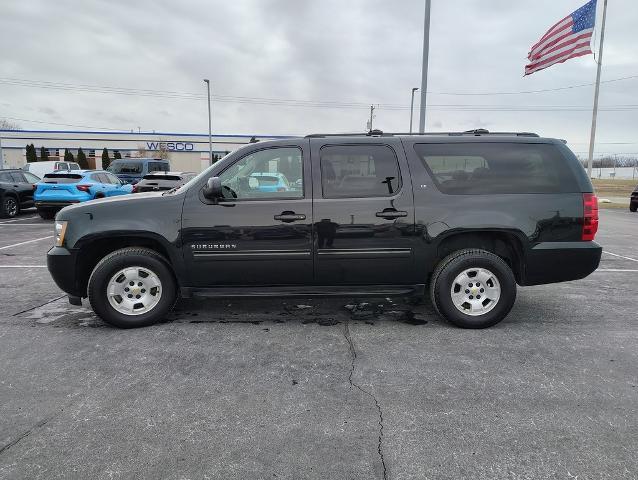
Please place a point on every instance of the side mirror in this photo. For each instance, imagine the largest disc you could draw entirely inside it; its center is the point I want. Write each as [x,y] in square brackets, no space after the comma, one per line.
[213,189]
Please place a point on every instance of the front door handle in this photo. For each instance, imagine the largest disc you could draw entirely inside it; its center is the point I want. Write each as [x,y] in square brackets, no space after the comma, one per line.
[390,213]
[288,217]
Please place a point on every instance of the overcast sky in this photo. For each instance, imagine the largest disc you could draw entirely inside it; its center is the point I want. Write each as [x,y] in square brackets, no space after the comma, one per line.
[353,53]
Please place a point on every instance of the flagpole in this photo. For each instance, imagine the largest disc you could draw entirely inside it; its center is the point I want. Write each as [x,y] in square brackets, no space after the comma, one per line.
[592,138]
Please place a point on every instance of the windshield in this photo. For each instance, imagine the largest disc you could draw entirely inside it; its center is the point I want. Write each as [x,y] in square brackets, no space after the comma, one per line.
[132,167]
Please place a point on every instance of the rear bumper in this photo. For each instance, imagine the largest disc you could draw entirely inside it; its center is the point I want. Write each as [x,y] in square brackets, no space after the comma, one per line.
[551,262]
[62,265]
[55,203]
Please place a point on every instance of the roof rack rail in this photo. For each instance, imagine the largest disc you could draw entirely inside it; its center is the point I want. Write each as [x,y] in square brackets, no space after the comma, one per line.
[378,133]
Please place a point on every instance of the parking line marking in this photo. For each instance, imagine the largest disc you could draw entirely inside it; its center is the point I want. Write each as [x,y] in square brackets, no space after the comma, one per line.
[621,256]
[23,243]
[614,270]
[27,224]
[23,266]
[18,219]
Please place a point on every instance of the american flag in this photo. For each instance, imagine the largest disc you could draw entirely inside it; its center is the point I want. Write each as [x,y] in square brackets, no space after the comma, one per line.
[569,38]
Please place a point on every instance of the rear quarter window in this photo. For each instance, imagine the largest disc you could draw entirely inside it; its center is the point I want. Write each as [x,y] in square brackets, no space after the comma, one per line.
[496,168]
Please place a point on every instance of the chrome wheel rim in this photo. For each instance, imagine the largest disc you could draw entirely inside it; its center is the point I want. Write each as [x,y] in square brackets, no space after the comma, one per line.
[134,290]
[475,291]
[11,207]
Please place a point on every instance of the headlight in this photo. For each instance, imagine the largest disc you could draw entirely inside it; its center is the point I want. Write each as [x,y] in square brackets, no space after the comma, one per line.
[60,231]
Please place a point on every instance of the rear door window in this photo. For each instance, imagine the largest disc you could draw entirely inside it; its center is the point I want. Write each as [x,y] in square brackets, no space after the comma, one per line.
[18,177]
[494,168]
[359,171]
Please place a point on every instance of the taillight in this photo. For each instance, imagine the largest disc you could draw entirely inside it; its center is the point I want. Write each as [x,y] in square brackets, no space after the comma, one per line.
[590,217]
[134,189]
[83,188]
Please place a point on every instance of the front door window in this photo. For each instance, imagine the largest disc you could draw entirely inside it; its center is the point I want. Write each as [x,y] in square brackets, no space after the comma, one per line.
[274,173]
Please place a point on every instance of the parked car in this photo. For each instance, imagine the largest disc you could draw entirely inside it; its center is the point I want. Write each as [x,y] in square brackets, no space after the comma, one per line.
[40,169]
[633,200]
[132,170]
[16,191]
[270,182]
[162,181]
[59,189]
[469,215]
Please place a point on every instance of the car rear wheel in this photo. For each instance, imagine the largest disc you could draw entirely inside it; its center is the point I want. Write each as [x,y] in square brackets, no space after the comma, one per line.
[132,287]
[10,206]
[46,213]
[473,288]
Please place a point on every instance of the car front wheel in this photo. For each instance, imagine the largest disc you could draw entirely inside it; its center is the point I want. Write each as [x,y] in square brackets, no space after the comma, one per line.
[633,207]
[132,287]
[473,288]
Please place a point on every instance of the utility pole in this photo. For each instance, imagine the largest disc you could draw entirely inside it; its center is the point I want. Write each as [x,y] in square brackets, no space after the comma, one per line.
[592,137]
[1,154]
[412,107]
[371,117]
[210,130]
[424,67]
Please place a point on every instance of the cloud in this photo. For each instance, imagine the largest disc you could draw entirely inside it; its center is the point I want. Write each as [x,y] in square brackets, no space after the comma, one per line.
[362,52]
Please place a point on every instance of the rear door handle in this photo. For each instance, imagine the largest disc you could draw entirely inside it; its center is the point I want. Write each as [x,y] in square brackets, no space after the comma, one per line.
[288,217]
[390,213]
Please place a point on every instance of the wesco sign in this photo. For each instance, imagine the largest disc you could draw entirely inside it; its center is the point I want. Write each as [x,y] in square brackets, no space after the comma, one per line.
[171,146]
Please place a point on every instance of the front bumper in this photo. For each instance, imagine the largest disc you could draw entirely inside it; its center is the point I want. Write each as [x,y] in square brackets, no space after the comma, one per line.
[55,203]
[62,265]
[551,262]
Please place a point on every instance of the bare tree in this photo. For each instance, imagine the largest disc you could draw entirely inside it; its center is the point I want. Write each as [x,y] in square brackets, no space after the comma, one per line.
[7,125]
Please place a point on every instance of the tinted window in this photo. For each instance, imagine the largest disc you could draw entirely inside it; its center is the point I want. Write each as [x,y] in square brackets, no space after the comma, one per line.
[61,166]
[242,180]
[61,178]
[5,177]
[132,167]
[359,171]
[74,166]
[157,167]
[98,177]
[491,168]
[18,178]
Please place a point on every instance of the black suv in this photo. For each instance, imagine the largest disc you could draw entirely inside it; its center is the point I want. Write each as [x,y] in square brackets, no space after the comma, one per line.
[633,200]
[16,191]
[470,215]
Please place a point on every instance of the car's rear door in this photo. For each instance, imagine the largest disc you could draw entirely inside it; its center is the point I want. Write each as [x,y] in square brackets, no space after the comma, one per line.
[363,213]
[254,236]
[23,188]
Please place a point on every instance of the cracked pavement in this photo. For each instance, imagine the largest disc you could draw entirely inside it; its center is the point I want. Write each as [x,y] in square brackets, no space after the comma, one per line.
[256,388]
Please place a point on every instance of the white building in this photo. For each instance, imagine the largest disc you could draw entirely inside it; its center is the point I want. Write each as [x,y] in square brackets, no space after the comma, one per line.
[185,151]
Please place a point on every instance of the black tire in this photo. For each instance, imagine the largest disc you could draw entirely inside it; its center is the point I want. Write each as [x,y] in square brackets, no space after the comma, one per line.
[633,207]
[46,213]
[455,263]
[10,206]
[118,260]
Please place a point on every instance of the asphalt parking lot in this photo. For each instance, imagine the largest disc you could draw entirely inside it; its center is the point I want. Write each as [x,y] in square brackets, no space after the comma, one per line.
[310,389]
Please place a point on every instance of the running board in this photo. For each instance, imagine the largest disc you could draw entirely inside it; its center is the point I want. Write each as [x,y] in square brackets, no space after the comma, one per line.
[305,291]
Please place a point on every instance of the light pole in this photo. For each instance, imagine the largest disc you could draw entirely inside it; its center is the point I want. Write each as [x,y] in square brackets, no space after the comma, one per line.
[412,107]
[210,131]
[424,67]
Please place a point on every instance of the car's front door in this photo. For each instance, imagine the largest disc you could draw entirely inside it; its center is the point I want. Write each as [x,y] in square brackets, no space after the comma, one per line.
[23,188]
[363,213]
[255,235]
